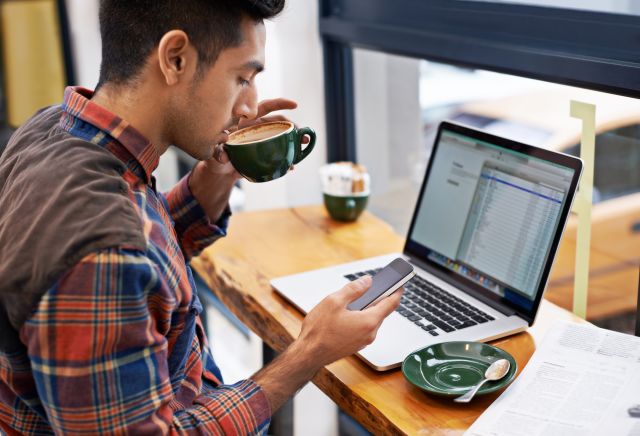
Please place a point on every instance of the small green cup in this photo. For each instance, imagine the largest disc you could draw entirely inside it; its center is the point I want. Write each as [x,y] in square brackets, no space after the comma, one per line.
[345,208]
[266,151]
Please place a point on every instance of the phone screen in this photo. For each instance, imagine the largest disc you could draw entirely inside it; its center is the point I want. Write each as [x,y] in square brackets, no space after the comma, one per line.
[384,280]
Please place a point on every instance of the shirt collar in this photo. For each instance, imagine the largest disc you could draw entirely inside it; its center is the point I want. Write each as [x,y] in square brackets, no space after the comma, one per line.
[77,104]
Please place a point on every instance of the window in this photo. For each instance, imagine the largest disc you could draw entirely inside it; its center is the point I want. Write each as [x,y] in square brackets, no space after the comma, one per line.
[617,162]
[393,70]
[399,102]
[615,6]
[573,43]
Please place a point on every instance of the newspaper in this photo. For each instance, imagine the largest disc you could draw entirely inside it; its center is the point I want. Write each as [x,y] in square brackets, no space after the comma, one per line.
[582,380]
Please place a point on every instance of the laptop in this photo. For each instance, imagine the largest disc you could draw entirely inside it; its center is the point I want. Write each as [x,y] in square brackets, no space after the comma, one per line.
[484,233]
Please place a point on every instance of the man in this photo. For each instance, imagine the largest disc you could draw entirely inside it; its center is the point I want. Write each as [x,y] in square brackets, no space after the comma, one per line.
[99,321]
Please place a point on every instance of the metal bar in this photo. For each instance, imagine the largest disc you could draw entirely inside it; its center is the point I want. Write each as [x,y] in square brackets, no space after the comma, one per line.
[339,101]
[65,38]
[581,48]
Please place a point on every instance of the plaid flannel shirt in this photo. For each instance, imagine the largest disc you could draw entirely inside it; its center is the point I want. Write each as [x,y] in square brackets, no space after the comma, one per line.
[116,345]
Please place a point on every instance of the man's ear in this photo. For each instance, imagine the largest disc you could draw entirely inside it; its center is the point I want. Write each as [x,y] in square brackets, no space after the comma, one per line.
[175,56]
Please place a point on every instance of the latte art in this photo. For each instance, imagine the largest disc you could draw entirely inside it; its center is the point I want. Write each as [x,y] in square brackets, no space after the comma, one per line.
[259,133]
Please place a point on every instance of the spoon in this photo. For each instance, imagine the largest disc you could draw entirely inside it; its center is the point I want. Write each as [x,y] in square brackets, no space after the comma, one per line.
[496,371]
[416,357]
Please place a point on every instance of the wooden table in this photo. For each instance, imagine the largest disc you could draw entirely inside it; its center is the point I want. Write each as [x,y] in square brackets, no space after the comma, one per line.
[613,262]
[267,244]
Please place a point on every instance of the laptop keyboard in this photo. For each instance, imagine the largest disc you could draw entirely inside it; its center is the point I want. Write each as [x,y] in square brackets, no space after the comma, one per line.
[432,308]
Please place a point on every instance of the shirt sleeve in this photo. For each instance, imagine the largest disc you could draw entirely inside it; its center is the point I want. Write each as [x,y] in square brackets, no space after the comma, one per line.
[99,355]
[194,228]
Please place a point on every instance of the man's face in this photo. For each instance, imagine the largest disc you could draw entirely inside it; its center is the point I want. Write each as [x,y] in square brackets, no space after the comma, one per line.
[223,94]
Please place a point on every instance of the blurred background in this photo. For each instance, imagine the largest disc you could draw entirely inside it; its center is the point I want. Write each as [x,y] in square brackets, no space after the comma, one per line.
[397,102]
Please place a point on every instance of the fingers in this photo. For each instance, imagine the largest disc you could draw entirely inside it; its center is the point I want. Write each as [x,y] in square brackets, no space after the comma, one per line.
[355,289]
[271,118]
[220,164]
[386,306]
[276,104]
[220,155]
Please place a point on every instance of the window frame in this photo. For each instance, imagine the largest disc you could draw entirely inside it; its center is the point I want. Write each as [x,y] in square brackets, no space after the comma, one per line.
[587,49]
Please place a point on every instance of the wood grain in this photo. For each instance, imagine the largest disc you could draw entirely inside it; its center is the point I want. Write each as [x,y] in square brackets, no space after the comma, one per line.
[267,244]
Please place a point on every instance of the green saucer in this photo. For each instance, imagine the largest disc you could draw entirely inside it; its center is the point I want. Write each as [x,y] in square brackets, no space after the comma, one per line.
[452,368]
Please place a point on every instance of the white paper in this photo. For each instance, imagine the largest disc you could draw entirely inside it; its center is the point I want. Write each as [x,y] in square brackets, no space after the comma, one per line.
[581,381]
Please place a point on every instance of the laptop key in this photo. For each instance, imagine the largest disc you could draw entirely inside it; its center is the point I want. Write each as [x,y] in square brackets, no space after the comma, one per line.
[467,324]
[426,305]
[433,333]
[443,326]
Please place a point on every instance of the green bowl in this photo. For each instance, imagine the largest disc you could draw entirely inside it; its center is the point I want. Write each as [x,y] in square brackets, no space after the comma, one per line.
[452,368]
[345,208]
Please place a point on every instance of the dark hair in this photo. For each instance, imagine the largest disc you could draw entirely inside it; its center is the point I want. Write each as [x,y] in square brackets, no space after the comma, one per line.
[131,29]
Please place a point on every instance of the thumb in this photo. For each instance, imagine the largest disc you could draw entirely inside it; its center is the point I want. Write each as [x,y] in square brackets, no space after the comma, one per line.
[355,289]
[220,155]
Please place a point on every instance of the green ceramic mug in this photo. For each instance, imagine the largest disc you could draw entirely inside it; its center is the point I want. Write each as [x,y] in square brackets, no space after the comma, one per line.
[266,151]
[345,208]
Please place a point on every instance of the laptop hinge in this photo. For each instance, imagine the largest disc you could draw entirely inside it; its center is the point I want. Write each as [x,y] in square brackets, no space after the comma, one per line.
[500,307]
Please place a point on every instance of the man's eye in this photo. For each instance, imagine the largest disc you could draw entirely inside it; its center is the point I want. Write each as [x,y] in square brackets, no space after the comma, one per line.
[243,82]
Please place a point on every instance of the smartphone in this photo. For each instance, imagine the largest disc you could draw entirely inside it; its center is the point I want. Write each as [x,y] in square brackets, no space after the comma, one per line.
[386,281]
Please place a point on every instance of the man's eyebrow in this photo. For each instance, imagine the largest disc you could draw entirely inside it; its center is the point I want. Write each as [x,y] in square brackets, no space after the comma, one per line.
[257,66]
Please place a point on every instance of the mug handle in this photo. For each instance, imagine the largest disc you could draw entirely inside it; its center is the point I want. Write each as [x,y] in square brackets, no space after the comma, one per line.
[300,153]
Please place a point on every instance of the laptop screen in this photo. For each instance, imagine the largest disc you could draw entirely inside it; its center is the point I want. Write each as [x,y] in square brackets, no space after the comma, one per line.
[489,213]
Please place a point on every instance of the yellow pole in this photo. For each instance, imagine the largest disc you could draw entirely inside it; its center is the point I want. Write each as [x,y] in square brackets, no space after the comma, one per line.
[583,203]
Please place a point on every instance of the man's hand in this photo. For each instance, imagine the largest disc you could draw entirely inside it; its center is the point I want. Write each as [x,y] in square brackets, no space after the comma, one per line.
[212,180]
[329,332]
[266,107]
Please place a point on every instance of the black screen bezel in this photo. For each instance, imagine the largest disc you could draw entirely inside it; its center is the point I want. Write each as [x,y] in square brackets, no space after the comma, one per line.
[416,251]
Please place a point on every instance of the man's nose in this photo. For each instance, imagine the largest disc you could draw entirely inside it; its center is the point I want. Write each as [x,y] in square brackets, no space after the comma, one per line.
[247,105]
